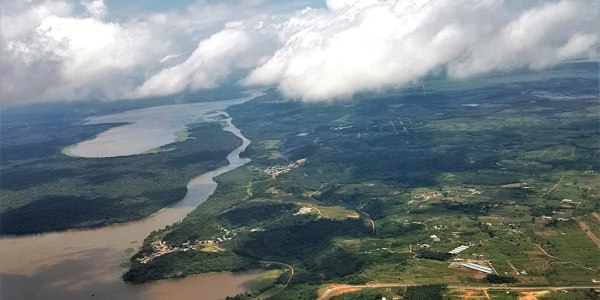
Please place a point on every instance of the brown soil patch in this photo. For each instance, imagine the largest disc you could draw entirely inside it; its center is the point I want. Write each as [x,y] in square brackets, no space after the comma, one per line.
[467,294]
[341,291]
[352,216]
[596,215]
[589,233]
[527,297]
[532,295]
[471,295]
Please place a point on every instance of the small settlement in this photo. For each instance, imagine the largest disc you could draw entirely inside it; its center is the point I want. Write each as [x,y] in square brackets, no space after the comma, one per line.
[274,171]
[160,248]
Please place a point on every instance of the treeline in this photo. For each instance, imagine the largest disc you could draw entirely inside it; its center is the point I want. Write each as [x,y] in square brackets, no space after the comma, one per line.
[62,192]
[300,240]
[241,296]
[180,264]
[365,294]
[254,215]
[493,278]
[434,255]
[425,292]
[390,229]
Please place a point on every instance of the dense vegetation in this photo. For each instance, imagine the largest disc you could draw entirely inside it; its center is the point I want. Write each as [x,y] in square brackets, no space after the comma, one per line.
[180,264]
[434,255]
[241,296]
[254,215]
[425,292]
[51,191]
[369,294]
[393,178]
[493,278]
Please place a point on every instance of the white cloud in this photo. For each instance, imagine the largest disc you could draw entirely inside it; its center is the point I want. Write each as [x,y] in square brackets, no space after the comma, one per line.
[535,40]
[95,8]
[56,57]
[370,45]
[580,45]
[169,57]
[56,50]
[209,63]
[53,50]
[17,21]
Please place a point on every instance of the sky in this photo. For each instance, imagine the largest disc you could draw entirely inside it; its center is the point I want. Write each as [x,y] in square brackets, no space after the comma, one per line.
[308,50]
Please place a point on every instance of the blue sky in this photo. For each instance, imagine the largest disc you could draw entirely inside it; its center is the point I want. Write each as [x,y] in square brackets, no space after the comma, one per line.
[61,50]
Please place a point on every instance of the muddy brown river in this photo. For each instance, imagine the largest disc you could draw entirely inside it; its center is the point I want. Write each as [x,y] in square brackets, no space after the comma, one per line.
[88,264]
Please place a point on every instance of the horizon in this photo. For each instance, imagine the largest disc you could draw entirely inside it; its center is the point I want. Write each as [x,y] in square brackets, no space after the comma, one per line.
[110,50]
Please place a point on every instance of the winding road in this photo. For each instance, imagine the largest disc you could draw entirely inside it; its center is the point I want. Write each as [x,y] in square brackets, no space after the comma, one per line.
[282,264]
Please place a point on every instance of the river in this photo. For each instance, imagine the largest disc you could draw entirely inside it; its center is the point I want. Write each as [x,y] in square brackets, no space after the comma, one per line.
[148,128]
[88,264]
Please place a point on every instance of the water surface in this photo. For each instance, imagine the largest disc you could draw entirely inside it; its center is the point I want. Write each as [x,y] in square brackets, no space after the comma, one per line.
[147,128]
[87,264]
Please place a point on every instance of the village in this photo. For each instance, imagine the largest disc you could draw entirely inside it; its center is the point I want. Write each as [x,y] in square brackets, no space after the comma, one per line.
[160,248]
[274,171]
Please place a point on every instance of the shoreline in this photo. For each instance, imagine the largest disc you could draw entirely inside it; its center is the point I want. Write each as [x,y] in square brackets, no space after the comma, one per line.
[75,252]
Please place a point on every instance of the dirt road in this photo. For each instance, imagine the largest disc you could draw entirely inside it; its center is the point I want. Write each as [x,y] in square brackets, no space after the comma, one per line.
[335,289]
[281,264]
[588,232]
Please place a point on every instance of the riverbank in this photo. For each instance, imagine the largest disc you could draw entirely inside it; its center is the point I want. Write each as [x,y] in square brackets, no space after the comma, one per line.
[65,193]
[77,264]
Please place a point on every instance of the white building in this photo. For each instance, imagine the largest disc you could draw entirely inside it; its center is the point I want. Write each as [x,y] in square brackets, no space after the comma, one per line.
[458,249]
[479,268]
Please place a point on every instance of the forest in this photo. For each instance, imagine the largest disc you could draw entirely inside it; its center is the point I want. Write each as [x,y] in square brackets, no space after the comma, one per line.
[45,190]
[392,183]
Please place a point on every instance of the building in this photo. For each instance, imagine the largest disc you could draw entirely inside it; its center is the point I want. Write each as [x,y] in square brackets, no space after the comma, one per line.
[479,268]
[458,249]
